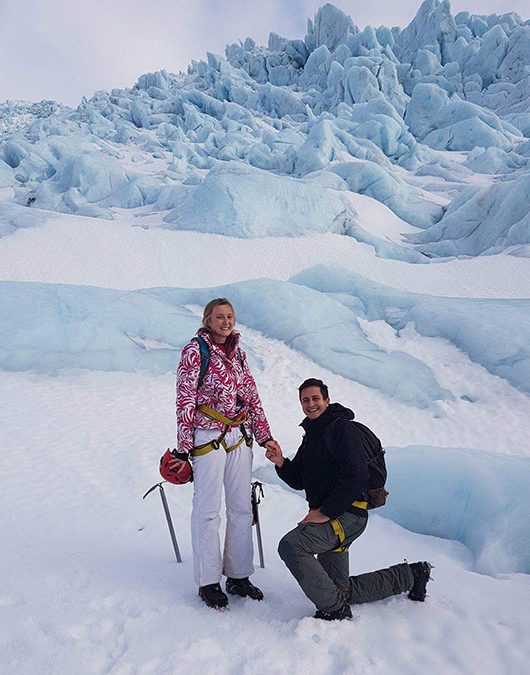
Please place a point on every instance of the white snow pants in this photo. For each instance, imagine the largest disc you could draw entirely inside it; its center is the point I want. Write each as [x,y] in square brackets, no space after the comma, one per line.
[212,472]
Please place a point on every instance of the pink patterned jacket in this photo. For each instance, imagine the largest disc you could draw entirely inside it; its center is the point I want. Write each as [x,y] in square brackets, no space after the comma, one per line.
[228,387]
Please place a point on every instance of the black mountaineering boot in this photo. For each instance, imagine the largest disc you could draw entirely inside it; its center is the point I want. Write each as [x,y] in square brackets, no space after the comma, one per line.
[421,571]
[338,615]
[213,596]
[244,588]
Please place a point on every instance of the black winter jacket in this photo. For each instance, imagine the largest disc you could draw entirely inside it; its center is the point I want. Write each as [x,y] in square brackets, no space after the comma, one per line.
[330,465]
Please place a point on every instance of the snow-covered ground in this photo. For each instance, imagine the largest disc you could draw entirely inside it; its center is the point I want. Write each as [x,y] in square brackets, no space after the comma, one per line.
[90,582]
[63,249]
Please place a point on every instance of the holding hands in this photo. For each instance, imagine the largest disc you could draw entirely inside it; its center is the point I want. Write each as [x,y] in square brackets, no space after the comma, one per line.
[273,452]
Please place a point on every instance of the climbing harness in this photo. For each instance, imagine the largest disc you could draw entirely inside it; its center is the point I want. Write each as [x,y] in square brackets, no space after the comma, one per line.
[339,530]
[238,421]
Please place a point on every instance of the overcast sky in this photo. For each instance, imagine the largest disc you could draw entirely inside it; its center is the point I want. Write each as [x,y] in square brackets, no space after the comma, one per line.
[66,49]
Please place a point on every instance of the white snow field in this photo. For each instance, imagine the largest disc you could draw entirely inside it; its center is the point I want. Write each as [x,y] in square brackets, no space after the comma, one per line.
[90,581]
[362,197]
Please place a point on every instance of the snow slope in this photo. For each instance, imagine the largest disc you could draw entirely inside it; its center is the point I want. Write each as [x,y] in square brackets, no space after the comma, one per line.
[119,254]
[91,584]
[89,567]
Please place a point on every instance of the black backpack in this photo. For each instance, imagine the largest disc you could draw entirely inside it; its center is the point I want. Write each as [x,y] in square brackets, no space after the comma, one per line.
[375,458]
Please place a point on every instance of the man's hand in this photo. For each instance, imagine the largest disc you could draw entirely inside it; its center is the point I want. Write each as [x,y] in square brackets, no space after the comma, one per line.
[314,516]
[273,453]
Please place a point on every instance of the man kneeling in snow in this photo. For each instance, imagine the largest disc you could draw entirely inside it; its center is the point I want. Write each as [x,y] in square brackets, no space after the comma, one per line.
[334,475]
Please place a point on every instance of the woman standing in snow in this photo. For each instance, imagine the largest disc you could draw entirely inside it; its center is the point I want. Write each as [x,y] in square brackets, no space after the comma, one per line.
[218,413]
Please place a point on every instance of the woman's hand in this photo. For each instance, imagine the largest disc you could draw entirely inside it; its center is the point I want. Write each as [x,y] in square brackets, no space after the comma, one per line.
[273,453]
[175,463]
[178,458]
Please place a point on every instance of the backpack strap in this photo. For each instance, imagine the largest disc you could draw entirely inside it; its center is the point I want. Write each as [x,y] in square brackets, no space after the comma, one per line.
[205,358]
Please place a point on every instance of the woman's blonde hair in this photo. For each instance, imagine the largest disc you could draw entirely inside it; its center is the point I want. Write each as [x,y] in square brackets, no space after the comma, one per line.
[208,310]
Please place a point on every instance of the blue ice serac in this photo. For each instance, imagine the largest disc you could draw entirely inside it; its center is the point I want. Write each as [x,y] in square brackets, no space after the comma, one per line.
[395,114]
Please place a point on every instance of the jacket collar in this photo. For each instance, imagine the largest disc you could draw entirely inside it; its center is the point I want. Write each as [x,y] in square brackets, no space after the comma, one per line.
[228,349]
[333,411]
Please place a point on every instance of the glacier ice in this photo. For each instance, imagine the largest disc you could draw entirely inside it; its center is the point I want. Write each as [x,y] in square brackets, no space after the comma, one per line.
[494,160]
[453,124]
[482,220]
[475,497]
[396,100]
[243,201]
[54,327]
[6,174]
[14,217]
[493,333]
[409,203]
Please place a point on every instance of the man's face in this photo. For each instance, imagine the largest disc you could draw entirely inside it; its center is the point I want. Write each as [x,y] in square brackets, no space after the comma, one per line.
[312,402]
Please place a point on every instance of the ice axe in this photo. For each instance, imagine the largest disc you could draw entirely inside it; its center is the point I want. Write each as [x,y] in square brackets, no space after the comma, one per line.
[168,518]
[257,494]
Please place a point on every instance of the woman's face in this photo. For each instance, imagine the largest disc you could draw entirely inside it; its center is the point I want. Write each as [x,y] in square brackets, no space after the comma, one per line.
[222,323]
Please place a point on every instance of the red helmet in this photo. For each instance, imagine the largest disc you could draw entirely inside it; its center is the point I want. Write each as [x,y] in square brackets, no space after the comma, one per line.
[177,475]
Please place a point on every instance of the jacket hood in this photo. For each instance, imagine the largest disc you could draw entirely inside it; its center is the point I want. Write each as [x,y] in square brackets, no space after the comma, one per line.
[338,410]
[333,411]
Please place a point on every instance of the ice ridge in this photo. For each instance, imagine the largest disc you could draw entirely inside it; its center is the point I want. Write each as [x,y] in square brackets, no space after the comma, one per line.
[407,117]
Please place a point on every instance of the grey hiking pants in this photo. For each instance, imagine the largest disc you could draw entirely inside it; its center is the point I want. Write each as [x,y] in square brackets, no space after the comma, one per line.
[325,579]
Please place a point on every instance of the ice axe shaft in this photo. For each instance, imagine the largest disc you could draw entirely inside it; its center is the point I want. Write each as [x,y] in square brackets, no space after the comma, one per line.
[168,518]
[257,494]
[260,544]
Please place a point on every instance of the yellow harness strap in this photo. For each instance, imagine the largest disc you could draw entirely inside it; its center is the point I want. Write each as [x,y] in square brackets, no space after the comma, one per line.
[213,445]
[339,530]
[205,448]
[211,412]
[235,446]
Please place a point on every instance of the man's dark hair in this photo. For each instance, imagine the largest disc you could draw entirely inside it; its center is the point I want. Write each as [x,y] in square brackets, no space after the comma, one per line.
[313,382]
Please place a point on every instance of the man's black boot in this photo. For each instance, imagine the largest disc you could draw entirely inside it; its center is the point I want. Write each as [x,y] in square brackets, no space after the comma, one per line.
[338,615]
[421,571]
[213,596]
[244,588]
